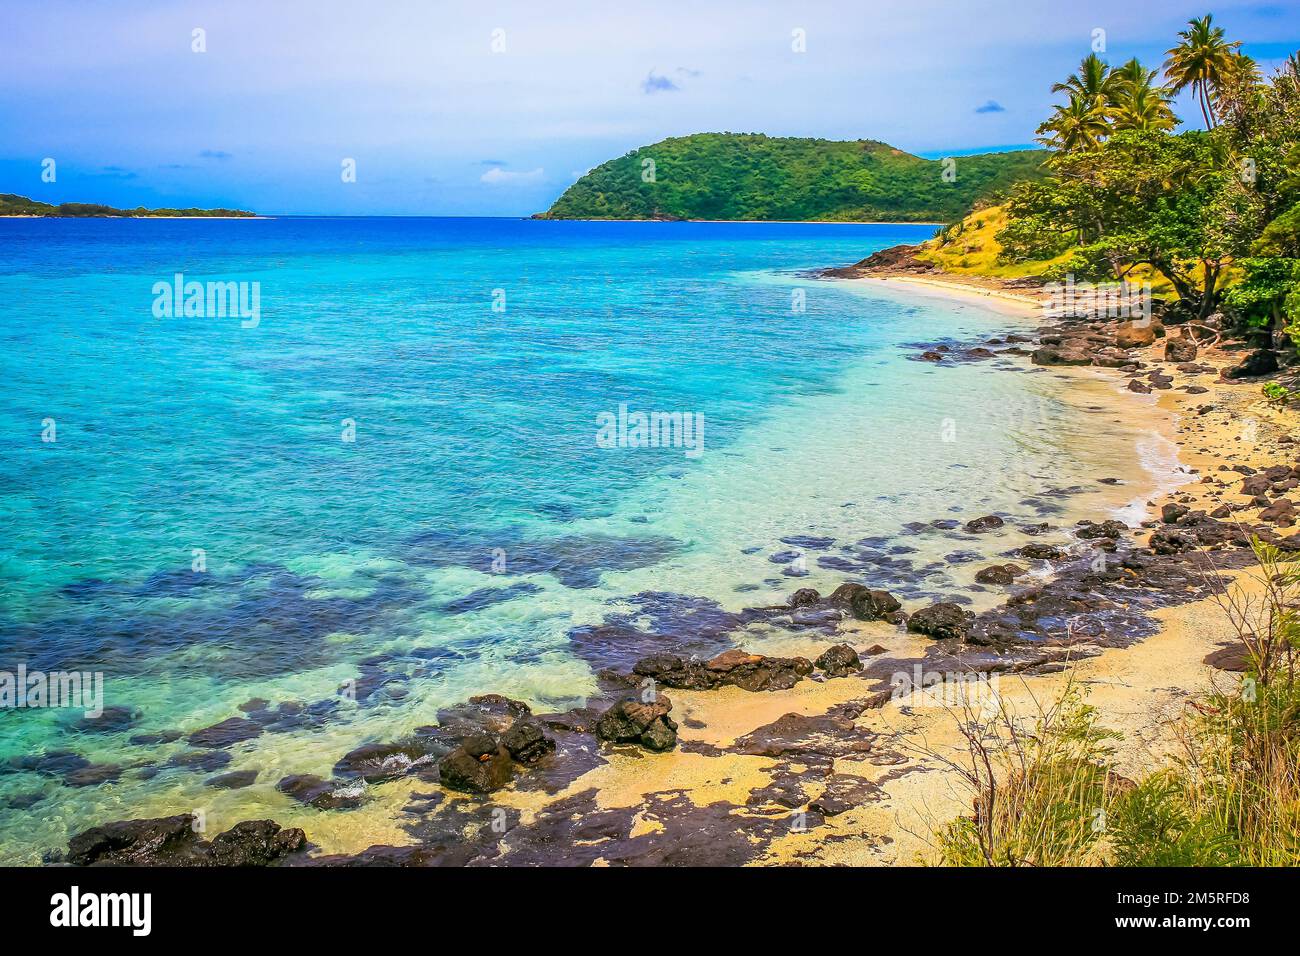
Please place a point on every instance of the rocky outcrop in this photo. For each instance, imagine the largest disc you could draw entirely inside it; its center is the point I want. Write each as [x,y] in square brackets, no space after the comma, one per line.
[999,574]
[1181,347]
[894,260]
[839,661]
[633,720]
[1056,355]
[867,604]
[986,523]
[174,841]
[752,672]
[943,621]
[1262,362]
[481,764]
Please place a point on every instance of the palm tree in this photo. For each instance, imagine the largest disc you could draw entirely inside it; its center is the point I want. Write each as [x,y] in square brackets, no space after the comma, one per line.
[1145,108]
[1079,124]
[1095,80]
[1138,103]
[1203,61]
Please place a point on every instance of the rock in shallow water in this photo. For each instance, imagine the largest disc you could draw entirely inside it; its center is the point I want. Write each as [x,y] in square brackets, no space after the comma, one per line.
[986,523]
[172,841]
[999,574]
[479,765]
[943,621]
[230,731]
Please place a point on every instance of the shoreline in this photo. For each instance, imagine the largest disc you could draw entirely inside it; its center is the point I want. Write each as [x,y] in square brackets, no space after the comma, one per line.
[822,767]
[1001,300]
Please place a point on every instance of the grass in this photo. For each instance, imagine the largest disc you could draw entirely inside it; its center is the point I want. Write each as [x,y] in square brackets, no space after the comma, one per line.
[1045,792]
[970,247]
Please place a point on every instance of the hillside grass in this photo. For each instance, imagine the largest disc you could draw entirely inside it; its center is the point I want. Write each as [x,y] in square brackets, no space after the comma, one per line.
[969,247]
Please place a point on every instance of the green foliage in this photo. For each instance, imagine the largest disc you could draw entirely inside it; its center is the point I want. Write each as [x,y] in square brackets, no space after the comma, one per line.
[1281,237]
[13,205]
[1268,293]
[1039,795]
[1087,264]
[1231,799]
[1152,825]
[734,176]
[1277,393]
[1139,198]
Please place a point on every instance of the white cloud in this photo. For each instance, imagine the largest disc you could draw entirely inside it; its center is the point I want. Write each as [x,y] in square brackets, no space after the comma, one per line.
[504,177]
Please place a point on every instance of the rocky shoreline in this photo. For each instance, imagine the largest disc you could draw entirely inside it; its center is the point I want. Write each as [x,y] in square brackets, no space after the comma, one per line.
[502,785]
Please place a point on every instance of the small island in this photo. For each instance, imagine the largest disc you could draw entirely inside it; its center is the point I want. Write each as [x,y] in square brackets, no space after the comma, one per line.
[753,177]
[12,206]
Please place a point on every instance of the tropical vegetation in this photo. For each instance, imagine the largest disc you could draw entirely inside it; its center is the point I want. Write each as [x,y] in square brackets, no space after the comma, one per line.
[1046,792]
[14,205]
[752,176]
[1214,214]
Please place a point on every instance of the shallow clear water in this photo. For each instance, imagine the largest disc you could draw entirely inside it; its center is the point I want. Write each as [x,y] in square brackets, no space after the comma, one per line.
[474,527]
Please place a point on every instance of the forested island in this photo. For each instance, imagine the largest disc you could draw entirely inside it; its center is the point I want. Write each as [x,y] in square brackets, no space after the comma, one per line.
[15,205]
[750,176]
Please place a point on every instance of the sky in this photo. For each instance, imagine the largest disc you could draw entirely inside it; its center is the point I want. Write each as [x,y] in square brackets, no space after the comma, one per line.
[494,107]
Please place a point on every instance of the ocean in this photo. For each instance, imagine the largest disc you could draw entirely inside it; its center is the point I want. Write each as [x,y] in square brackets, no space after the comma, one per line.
[432,458]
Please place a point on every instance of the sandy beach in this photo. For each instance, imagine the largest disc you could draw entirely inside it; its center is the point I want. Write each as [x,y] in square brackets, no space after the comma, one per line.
[846,771]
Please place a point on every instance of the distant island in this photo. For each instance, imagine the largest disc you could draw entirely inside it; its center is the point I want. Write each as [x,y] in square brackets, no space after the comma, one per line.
[749,176]
[14,205]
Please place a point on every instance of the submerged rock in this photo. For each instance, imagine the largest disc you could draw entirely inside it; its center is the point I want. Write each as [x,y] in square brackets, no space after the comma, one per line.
[231,731]
[375,763]
[320,793]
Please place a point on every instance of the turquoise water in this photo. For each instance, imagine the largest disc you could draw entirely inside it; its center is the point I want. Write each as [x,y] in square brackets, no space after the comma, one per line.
[473,533]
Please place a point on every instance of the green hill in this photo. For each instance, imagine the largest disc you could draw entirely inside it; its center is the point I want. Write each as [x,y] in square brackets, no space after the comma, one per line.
[752,176]
[13,205]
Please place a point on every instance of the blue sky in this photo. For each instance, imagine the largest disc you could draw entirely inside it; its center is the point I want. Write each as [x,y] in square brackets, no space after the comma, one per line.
[440,124]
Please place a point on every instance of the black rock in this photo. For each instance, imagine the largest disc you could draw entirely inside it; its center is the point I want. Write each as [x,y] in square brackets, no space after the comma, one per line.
[986,523]
[839,661]
[230,731]
[526,742]
[173,841]
[942,621]
[479,765]
[1262,362]
[804,597]
[632,720]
